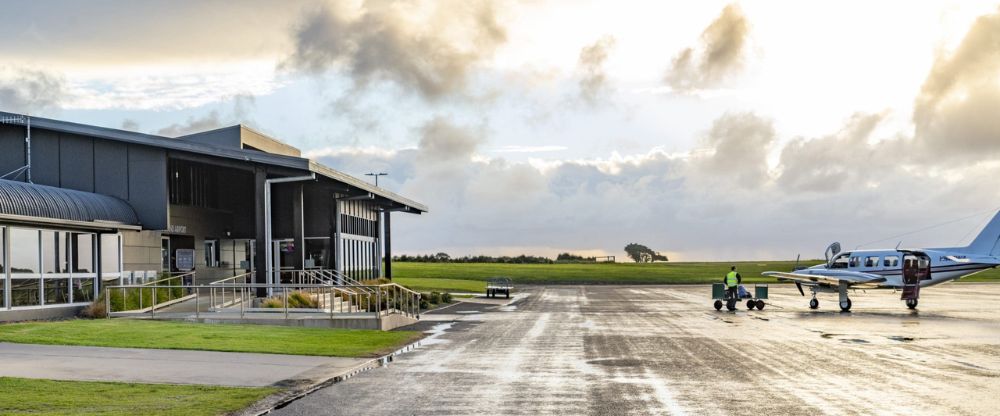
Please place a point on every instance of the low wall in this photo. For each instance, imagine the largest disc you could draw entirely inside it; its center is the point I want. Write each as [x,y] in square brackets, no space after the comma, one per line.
[40,314]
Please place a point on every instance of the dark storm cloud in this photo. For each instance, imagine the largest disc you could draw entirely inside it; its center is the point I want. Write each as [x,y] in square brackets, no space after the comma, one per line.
[30,91]
[955,112]
[382,42]
[593,83]
[720,54]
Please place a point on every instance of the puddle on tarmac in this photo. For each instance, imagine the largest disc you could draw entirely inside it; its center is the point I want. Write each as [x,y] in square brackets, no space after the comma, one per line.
[901,338]
[508,308]
[617,362]
[435,333]
[468,312]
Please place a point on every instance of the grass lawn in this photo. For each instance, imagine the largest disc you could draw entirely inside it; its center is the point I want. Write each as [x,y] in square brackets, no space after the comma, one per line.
[442,285]
[586,273]
[49,397]
[209,337]
[604,273]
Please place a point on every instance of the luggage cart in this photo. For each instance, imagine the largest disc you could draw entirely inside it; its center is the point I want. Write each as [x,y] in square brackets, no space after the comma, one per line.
[721,296]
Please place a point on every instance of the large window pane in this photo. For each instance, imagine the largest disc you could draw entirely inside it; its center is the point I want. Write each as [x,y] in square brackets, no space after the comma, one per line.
[23,251]
[55,252]
[109,253]
[56,291]
[83,253]
[24,292]
[83,290]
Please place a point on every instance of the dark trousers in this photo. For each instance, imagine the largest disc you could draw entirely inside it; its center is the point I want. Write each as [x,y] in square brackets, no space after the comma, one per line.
[733,292]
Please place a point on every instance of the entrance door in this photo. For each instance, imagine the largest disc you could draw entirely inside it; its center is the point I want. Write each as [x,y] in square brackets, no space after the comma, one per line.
[916,267]
[280,250]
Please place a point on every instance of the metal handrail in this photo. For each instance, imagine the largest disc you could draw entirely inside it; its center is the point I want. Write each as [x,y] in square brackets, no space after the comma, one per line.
[215,292]
[383,300]
[155,304]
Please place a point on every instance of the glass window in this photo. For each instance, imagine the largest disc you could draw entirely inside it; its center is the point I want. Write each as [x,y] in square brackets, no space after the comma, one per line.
[839,262]
[83,253]
[854,262]
[890,261]
[83,290]
[165,254]
[871,261]
[55,252]
[211,253]
[56,290]
[23,251]
[109,254]
[317,253]
[25,292]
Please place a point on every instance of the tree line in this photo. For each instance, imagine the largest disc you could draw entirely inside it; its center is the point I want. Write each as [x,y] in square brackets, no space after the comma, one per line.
[637,252]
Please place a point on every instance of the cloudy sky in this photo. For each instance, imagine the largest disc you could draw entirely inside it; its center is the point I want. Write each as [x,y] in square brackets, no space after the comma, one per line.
[706,130]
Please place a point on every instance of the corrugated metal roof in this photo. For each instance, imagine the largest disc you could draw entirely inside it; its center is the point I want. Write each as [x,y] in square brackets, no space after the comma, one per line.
[40,201]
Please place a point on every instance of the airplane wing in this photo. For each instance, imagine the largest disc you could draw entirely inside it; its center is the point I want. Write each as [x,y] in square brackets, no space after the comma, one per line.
[831,278]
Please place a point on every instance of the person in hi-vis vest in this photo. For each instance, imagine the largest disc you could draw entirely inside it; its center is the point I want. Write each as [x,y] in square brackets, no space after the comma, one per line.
[733,280]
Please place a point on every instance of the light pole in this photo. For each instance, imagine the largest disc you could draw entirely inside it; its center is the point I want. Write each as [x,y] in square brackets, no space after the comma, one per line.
[376,175]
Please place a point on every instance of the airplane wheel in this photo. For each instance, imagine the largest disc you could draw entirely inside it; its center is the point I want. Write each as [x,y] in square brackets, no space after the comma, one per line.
[718,305]
[750,304]
[760,305]
[911,303]
[845,306]
[814,304]
[731,305]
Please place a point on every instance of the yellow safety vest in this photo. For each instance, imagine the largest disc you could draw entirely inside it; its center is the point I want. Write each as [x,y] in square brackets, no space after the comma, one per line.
[731,280]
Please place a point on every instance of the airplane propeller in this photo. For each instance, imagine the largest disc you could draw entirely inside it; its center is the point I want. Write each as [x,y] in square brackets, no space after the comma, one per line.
[794,268]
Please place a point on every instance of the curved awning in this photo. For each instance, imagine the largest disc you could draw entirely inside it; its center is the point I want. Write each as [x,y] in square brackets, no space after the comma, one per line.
[21,200]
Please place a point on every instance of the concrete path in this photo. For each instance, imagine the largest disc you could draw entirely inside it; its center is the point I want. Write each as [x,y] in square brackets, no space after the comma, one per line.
[646,350]
[167,366]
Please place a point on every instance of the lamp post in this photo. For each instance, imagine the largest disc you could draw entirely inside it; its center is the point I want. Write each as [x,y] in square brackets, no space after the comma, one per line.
[376,175]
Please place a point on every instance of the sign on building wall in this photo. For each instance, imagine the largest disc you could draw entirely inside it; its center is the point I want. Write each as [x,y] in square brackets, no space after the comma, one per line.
[185,259]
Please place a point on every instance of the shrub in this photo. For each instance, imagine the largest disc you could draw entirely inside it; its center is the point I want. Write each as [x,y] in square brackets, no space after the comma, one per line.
[272,303]
[446,297]
[95,310]
[424,304]
[435,298]
[301,300]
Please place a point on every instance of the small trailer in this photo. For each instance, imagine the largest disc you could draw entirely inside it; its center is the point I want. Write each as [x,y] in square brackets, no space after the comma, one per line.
[497,285]
[755,300]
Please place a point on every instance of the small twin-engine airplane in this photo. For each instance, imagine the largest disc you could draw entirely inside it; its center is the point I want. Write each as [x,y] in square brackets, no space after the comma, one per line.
[897,269]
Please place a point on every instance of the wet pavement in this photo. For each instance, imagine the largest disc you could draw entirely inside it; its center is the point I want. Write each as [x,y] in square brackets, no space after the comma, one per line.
[604,350]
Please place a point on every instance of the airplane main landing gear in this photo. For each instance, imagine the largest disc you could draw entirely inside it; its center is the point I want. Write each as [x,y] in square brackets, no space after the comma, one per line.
[845,305]
[911,303]
[813,303]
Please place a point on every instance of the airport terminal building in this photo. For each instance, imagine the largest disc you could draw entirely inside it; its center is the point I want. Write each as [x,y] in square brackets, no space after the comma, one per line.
[82,206]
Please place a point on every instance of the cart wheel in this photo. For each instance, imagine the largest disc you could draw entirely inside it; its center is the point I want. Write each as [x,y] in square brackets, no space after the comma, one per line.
[750,304]
[718,305]
[731,305]
[760,304]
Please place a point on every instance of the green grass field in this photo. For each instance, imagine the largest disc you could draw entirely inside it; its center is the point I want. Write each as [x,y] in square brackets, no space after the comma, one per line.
[49,397]
[442,285]
[434,276]
[209,337]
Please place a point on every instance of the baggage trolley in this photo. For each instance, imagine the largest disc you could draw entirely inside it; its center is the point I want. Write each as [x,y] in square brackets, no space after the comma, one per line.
[754,300]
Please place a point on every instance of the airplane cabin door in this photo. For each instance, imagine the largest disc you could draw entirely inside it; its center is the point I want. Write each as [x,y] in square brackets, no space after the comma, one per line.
[916,267]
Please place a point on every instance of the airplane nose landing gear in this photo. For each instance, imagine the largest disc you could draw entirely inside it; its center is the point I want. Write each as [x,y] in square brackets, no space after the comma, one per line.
[911,303]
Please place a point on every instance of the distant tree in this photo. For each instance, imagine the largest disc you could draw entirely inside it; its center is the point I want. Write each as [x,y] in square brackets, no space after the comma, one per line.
[642,254]
[443,257]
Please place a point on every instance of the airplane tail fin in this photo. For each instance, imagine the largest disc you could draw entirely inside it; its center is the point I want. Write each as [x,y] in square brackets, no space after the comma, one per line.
[988,240]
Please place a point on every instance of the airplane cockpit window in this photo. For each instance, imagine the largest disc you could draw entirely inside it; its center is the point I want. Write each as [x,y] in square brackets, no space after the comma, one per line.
[871,261]
[839,262]
[854,262]
[890,261]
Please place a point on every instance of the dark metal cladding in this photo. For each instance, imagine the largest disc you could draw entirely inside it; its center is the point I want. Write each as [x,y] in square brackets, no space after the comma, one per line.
[33,200]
